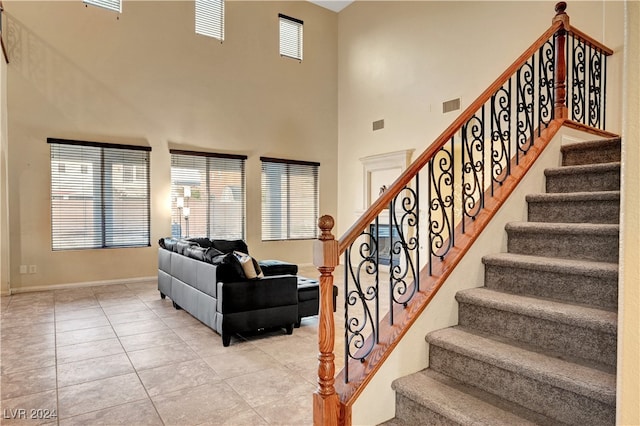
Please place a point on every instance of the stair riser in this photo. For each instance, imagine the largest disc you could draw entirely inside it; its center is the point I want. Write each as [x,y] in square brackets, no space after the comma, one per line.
[596,211]
[413,413]
[584,182]
[599,155]
[562,338]
[595,291]
[585,246]
[555,402]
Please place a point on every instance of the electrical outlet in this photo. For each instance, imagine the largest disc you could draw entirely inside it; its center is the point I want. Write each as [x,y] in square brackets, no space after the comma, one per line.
[23,269]
[33,269]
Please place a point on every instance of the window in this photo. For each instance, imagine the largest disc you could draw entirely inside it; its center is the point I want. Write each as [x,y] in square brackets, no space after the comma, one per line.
[290,37]
[207,195]
[115,5]
[289,199]
[210,18]
[94,201]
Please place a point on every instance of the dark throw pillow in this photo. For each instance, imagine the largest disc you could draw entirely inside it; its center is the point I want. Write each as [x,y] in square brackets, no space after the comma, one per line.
[229,246]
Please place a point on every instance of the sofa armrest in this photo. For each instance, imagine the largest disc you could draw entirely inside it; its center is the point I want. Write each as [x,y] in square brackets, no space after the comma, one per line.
[249,295]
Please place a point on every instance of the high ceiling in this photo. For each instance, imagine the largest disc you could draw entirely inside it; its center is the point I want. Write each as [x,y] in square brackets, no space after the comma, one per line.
[335,5]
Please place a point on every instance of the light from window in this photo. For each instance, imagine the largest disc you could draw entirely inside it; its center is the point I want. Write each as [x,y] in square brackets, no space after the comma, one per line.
[207,195]
[290,37]
[289,199]
[94,201]
[115,5]
[210,18]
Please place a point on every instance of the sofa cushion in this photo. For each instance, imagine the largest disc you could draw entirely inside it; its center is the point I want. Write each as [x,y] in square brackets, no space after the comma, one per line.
[228,268]
[211,253]
[182,245]
[250,267]
[202,241]
[168,243]
[277,267]
[229,246]
[195,252]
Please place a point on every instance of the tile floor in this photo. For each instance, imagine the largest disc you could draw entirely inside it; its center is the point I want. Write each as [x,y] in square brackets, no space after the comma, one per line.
[119,354]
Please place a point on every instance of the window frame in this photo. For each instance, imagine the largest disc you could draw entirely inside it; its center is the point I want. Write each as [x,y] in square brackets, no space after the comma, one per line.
[113,5]
[291,46]
[210,156]
[104,194]
[315,173]
[209,18]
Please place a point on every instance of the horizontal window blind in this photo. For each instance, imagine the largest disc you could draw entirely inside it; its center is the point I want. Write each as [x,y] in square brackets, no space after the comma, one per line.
[290,37]
[115,5]
[207,195]
[289,199]
[99,195]
[210,18]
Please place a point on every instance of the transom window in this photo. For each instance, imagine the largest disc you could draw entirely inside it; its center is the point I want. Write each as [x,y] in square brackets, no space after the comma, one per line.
[99,195]
[290,37]
[115,5]
[207,195]
[289,199]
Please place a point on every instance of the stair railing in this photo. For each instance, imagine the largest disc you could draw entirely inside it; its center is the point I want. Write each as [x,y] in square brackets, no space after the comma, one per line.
[465,175]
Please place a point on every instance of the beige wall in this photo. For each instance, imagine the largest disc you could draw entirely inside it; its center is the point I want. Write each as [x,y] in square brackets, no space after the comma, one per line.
[399,60]
[629,293]
[4,187]
[146,78]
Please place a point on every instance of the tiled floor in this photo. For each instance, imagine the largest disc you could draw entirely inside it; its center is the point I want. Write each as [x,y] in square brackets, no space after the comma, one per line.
[120,355]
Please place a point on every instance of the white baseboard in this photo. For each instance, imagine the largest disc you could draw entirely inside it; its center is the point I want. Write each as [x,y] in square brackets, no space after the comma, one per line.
[81,284]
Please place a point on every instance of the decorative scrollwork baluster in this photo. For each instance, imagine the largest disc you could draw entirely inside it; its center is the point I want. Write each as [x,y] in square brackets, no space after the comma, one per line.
[545,96]
[595,85]
[361,297]
[578,97]
[441,201]
[403,271]
[524,107]
[472,166]
[500,134]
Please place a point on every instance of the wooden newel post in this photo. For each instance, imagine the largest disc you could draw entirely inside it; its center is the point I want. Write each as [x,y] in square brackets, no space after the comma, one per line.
[560,69]
[326,404]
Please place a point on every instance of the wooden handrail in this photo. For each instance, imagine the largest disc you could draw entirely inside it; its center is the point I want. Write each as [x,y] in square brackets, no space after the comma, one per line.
[383,201]
[590,41]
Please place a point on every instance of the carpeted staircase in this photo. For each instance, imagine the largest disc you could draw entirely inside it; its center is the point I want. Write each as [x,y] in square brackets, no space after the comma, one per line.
[537,344]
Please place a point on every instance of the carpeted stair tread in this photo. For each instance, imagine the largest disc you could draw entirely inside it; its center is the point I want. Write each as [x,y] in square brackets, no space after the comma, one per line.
[597,384]
[463,404]
[576,315]
[587,177]
[549,264]
[591,152]
[563,228]
[582,169]
[574,197]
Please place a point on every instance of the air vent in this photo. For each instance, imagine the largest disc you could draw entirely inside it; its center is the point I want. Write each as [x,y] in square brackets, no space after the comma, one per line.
[377,125]
[452,105]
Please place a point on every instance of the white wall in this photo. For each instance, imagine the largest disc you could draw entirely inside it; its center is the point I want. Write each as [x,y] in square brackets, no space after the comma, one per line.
[145,77]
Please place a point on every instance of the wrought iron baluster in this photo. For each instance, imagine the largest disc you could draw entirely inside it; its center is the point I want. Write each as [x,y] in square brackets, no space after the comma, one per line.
[403,271]
[472,167]
[595,87]
[578,101]
[524,106]
[441,202]
[545,95]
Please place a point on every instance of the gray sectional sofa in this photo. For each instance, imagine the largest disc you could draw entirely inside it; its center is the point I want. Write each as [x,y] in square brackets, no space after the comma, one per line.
[207,283]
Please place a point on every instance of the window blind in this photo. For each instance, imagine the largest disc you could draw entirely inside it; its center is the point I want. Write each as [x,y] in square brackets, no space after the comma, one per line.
[115,5]
[99,195]
[290,37]
[207,195]
[210,18]
[289,199]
